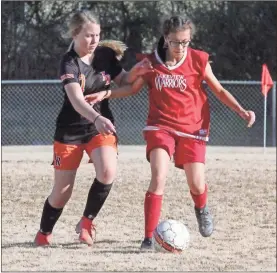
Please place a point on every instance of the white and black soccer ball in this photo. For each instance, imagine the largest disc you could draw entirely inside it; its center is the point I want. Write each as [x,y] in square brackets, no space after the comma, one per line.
[171,236]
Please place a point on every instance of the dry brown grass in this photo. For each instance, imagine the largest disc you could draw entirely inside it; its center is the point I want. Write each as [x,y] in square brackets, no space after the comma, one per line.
[242,197]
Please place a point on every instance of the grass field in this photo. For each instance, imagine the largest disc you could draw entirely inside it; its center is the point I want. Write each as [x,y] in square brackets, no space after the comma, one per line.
[242,198]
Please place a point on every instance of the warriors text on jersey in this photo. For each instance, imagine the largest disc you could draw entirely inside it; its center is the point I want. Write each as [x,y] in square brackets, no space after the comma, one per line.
[71,127]
[177,100]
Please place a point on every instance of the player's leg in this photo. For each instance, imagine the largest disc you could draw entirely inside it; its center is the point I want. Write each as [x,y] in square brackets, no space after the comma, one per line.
[190,156]
[160,147]
[66,161]
[199,193]
[103,153]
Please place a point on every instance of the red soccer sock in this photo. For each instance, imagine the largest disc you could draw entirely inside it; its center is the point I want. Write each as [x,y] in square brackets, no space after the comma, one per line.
[200,200]
[152,211]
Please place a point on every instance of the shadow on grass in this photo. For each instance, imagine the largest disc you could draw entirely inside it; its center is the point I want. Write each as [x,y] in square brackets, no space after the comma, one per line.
[76,245]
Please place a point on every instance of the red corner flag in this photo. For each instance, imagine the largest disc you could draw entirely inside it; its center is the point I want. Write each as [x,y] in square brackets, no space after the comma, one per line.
[267,82]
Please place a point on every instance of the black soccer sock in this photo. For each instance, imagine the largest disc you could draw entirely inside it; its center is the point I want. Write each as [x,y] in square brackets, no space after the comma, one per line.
[49,217]
[97,196]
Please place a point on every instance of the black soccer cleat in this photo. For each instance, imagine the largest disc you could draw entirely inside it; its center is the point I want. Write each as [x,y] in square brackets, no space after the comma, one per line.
[205,221]
[147,245]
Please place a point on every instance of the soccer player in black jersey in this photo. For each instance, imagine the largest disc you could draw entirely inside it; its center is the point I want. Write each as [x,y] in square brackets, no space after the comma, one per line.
[86,68]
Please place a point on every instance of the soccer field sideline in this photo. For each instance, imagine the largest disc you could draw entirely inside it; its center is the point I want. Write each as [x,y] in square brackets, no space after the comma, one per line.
[130,151]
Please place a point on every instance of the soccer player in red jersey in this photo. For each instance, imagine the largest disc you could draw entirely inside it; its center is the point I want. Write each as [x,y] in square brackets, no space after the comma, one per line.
[179,120]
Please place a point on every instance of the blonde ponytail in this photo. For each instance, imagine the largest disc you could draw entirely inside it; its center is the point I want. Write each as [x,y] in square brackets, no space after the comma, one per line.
[118,47]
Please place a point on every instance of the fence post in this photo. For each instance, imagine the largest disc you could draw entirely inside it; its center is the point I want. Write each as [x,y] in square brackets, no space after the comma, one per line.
[274,115]
[265,125]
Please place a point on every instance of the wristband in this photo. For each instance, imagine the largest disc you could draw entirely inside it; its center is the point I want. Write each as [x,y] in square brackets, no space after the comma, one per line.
[96,118]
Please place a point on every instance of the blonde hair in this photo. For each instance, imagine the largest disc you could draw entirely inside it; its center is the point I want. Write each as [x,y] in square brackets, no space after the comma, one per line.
[117,46]
[82,17]
[76,23]
[78,20]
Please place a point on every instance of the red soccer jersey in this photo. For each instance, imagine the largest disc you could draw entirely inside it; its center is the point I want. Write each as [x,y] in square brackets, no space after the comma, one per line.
[177,99]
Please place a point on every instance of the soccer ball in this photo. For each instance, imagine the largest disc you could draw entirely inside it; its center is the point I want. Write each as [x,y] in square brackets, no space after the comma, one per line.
[171,236]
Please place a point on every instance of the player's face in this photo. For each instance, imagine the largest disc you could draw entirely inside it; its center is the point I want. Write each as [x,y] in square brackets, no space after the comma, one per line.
[88,38]
[178,42]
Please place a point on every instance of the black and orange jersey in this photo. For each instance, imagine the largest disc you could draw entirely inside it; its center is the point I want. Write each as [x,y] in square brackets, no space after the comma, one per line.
[71,127]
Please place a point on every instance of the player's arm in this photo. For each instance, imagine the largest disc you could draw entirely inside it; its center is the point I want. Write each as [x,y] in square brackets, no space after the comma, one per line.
[69,75]
[127,90]
[226,97]
[132,81]
[70,81]
[139,69]
[119,75]
[76,97]
[118,92]
[129,83]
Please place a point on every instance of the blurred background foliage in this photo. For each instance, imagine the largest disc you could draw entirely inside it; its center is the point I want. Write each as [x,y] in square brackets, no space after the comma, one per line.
[239,36]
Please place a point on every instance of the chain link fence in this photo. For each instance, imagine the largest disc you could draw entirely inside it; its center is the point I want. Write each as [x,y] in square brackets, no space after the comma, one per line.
[30,109]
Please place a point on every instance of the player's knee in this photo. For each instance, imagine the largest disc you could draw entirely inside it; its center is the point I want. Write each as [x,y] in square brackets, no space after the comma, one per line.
[106,176]
[197,185]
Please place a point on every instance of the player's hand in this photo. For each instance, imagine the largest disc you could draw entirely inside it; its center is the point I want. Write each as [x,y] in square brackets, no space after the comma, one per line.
[97,97]
[104,126]
[141,68]
[249,116]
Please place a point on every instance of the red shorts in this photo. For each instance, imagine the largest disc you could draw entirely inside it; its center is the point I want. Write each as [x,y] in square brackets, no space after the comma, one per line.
[184,150]
[69,156]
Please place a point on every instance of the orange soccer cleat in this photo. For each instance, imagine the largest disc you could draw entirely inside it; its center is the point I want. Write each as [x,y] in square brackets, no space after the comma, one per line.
[86,230]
